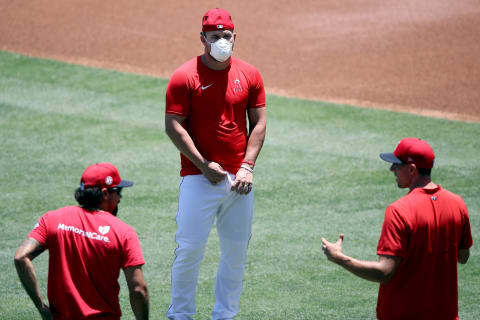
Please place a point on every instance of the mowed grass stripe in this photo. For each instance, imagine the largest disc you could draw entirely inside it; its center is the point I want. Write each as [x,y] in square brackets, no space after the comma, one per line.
[318,175]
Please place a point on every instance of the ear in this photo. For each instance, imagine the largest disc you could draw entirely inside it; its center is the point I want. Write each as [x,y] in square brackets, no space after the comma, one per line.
[412,168]
[105,193]
[202,39]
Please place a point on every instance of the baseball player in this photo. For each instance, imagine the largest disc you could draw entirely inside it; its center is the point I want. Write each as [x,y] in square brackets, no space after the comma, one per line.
[208,101]
[88,245]
[424,235]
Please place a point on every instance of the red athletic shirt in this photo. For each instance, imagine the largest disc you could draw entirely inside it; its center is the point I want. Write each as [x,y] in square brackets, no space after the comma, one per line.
[214,103]
[87,249]
[426,228]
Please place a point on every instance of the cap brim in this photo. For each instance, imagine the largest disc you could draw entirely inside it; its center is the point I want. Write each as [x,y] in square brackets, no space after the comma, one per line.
[390,157]
[124,184]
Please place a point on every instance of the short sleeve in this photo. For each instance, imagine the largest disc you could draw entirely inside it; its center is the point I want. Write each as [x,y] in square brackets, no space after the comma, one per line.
[466,241]
[39,232]
[132,252]
[178,95]
[393,240]
[257,91]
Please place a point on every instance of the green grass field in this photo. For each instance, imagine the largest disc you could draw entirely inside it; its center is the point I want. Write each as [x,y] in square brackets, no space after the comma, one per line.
[318,174]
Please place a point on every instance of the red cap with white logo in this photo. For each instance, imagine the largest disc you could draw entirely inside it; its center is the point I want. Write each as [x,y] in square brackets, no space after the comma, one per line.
[411,150]
[217,19]
[103,175]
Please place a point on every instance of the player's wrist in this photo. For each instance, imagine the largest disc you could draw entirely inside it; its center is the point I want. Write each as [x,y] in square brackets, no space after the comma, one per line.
[246,167]
[251,164]
[203,164]
[342,260]
[40,305]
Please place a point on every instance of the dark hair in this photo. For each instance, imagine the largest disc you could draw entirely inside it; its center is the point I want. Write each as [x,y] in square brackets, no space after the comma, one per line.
[425,172]
[89,198]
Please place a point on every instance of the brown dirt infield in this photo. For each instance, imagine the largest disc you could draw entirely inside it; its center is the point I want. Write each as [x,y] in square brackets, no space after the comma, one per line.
[415,56]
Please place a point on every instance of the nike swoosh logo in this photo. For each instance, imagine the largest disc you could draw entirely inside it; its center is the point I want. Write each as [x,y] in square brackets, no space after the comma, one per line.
[203,88]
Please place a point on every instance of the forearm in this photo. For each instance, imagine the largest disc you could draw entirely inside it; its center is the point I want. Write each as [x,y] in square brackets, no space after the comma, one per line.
[138,291]
[368,270]
[139,301]
[255,141]
[26,273]
[184,143]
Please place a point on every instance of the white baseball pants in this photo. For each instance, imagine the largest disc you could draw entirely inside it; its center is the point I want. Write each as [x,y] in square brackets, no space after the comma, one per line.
[199,203]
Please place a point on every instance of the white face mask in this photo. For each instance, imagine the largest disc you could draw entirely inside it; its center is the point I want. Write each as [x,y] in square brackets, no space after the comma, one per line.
[221,49]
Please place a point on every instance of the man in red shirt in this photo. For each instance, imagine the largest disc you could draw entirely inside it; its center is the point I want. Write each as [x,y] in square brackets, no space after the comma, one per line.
[88,245]
[208,100]
[424,235]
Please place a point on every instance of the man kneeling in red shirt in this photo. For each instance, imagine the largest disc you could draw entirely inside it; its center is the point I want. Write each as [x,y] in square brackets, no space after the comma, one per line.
[88,245]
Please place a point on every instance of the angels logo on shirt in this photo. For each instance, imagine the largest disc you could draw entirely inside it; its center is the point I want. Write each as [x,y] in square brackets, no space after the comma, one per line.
[238,86]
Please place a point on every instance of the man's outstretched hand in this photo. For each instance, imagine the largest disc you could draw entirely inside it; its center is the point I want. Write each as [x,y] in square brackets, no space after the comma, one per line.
[333,251]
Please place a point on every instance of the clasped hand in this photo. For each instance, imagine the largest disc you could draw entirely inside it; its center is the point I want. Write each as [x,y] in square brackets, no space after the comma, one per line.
[243,179]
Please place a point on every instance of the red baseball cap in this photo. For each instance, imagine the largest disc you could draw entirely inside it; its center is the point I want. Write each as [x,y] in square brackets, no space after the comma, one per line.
[217,19]
[103,175]
[411,150]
